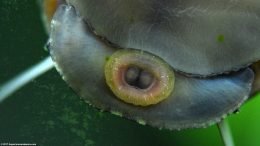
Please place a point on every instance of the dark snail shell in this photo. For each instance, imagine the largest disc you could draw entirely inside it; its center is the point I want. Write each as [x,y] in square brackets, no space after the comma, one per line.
[80,57]
[256,84]
[199,38]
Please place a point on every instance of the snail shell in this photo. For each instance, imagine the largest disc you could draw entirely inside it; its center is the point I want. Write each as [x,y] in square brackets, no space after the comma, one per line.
[199,38]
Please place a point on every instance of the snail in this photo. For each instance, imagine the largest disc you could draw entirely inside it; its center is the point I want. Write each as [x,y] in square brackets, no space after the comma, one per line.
[137,77]
[168,64]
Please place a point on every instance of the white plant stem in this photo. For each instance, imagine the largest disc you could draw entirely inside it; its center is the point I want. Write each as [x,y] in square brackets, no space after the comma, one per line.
[20,80]
[225,133]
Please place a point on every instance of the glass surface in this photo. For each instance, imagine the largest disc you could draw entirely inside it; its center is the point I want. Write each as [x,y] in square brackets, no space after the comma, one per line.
[47,112]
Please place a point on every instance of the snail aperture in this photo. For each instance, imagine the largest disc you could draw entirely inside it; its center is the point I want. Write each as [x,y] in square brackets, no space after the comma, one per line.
[138,77]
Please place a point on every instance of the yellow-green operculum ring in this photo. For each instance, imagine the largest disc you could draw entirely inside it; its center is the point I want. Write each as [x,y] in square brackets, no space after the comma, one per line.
[138,77]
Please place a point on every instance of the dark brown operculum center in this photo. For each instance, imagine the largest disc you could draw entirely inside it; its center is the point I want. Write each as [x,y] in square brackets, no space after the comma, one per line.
[138,77]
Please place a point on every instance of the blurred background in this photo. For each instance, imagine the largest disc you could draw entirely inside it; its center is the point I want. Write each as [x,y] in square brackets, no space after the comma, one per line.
[47,112]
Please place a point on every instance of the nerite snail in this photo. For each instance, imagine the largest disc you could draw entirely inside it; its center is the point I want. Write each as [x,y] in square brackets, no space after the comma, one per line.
[169,64]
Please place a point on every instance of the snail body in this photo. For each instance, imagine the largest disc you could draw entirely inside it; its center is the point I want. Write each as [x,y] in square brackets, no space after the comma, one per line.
[90,63]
